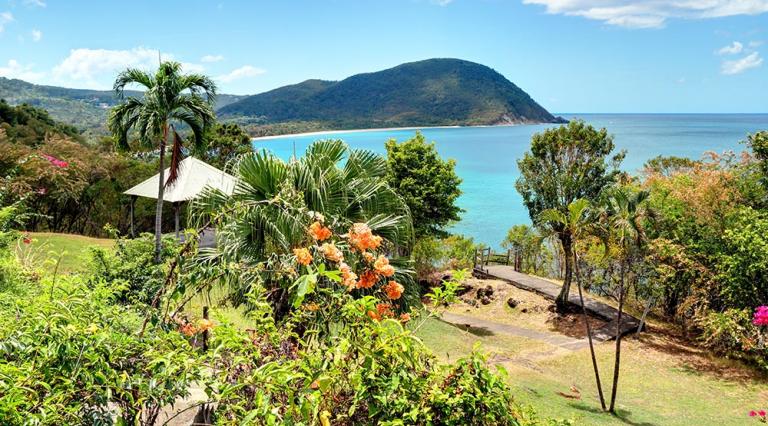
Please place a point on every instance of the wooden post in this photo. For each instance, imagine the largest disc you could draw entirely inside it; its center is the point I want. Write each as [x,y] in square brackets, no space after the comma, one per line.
[176,212]
[133,202]
[205,332]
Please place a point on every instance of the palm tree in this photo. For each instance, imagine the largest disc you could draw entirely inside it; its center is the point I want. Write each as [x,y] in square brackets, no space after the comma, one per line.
[274,201]
[624,216]
[579,223]
[170,98]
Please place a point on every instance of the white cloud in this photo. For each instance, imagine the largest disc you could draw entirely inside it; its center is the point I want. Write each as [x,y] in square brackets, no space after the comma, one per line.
[246,71]
[5,17]
[211,58]
[738,66]
[37,35]
[90,66]
[731,49]
[650,13]
[755,43]
[23,72]
[38,3]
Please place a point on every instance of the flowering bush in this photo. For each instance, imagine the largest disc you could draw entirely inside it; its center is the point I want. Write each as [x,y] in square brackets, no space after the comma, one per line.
[736,333]
[761,316]
[760,415]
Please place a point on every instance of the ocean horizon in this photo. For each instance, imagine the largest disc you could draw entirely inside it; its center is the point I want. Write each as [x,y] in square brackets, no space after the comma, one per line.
[486,157]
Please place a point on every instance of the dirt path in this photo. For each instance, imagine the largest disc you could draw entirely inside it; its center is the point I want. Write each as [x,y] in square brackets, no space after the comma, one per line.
[472,323]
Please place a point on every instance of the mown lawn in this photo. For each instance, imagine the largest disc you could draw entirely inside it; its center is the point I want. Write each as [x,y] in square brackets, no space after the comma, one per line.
[49,247]
[661,382]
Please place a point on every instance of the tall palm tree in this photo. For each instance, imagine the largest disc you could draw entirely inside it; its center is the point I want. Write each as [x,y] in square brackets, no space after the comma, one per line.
[580,224]
[625,213]
[170,98]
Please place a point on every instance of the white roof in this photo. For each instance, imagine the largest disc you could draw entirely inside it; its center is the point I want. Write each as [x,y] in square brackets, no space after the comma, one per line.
[194,176]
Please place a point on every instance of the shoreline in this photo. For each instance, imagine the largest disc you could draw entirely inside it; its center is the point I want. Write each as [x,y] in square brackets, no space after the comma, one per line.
[384,129]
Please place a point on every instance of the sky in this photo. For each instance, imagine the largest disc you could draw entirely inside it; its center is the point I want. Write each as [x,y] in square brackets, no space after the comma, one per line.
[572,56]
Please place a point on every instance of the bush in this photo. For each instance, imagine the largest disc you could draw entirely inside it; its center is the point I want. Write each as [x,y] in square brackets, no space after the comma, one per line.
[436,255]
[70,356]
[732,333]
[131,267]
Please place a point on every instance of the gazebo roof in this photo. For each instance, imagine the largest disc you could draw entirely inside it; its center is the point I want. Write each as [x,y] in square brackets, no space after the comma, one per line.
[194,176]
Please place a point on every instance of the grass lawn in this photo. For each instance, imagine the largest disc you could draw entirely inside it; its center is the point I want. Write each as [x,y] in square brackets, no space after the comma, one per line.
[47,247]
[662,381]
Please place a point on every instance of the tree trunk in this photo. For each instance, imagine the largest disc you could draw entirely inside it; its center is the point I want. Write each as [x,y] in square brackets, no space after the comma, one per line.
[617,362]
[589,333]
[160,191]
[562,299]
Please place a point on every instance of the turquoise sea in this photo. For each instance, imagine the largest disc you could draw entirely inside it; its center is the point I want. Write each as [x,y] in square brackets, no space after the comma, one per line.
[486,156]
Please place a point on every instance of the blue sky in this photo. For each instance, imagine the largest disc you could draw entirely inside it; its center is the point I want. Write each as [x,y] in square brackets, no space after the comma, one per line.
[570,55]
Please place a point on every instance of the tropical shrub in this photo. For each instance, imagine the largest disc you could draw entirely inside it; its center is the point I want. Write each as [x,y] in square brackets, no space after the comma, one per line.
[436,255]
[71,356]
[735,333]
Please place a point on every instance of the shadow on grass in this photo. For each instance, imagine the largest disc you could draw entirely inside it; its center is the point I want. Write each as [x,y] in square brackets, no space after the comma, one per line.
[477,331]
[621,415]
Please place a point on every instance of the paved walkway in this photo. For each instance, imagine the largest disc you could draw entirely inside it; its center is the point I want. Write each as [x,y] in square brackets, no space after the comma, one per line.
[550,291]
[554,339]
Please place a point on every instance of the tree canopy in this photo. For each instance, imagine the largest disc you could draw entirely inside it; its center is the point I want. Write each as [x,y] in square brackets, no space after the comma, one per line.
[428,184]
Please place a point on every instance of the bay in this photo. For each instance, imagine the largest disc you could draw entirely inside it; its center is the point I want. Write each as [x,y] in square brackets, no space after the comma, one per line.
[486,157]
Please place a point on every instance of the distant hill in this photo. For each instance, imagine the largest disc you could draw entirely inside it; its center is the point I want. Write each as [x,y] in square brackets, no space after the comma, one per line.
[82,108]
[433,92]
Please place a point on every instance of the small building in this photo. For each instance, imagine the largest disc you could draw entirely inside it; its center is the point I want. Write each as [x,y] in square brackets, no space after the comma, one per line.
[194,176]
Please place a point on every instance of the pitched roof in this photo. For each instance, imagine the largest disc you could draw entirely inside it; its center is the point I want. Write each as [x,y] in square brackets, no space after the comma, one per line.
[194,176]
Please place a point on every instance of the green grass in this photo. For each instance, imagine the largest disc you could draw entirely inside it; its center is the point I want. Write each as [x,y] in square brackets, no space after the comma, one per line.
[660,383]
[49,247]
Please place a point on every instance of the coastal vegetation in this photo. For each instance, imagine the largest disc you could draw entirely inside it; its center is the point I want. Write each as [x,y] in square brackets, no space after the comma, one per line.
[327,298]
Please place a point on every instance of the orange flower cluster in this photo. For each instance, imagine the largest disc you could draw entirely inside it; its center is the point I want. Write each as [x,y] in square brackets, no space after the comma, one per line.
[303,256]
[393,290]
[188,329]
[332,253]
[319,232]
[348,278]
[405,317]
[367,279]
[383,267]
[383,310]
[204,325]
[361,237]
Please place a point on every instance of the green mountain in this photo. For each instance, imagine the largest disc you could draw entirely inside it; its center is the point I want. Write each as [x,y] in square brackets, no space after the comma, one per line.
[82,108]
[433,92]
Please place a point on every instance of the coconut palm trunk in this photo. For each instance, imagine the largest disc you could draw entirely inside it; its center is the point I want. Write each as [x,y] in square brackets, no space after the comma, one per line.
[562,299]
[589,333]
[617,359]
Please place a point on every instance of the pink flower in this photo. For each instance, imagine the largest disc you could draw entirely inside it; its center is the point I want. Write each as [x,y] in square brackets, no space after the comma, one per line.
[55,161]
[753,413]
[761,316]
[761,413]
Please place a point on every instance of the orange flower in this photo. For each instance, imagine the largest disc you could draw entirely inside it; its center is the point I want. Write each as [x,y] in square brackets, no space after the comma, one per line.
[188,329]
[361,237]
[384,309]
[393,289]
[369,257]
[374,315]
[303,256]
[312,307]
[204,324]
[383,267]
[405,317]
[319,232]
[348,278]
[367,279]
[331,252]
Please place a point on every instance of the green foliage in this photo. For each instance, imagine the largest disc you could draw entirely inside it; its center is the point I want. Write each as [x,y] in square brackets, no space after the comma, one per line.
[224,143]
[130,268]
[530,253]
[731,333]
[436,255]
[70,356]
[431,92]
[744,259]
[29,125]
[428,184]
